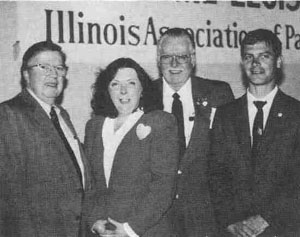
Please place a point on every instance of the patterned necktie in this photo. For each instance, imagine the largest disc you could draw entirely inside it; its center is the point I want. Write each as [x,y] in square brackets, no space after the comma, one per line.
[56,124]
[177,110]
[257,131]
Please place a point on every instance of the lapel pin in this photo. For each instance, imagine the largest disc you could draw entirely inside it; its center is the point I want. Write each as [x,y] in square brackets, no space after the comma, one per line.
[142,131]
[201,101]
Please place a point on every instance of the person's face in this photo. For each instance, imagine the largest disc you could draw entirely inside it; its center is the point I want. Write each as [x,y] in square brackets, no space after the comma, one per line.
[125,91]
[176,71]
[45,80]
[260,64]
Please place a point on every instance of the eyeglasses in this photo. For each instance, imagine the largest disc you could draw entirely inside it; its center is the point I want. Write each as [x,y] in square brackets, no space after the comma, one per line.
[46,68]
[181,59]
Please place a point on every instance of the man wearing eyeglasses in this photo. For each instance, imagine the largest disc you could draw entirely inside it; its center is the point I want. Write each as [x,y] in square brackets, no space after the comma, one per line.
[193,101]
[43,172]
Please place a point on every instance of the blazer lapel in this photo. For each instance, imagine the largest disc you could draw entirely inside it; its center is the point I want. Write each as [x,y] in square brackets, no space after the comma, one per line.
[42,124]
[64,114]
[68,122]
[275,123]
[39,117]
[201,120]
[97,154]
[123,148]
[241,126]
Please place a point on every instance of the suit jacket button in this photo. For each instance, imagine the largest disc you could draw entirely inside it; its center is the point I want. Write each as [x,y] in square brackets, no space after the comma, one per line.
[177,196]
[179,172]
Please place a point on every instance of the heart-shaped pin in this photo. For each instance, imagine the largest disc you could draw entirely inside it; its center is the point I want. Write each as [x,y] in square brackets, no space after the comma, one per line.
[142,131]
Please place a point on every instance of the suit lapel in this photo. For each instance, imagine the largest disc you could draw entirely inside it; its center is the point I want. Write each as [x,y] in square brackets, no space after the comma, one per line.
[201,121]
[120,155]
[275,122]
[124,148]
[98,151]
[68,122]
[201,101]
[202,117]
[38,116]
[42,121]
[241,125]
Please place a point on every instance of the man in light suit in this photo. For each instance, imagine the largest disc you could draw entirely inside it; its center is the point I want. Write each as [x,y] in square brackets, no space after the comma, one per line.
[255,153]
[196,100]
[43,172]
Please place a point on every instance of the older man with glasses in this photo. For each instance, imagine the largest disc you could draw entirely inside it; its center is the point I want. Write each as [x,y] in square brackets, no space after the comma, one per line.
[193,101]
[43,171]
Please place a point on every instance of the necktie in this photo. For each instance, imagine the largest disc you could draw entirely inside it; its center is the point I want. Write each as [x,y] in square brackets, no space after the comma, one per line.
[257,131]
[56,124]
[177,110]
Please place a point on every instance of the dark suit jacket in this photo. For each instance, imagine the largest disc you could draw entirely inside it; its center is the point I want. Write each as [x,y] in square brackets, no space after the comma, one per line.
[271,189]
[142,180]
[41,192]
[192,185]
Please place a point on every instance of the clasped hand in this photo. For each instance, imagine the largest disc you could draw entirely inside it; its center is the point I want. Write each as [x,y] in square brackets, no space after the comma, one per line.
[101,227]
[251,227]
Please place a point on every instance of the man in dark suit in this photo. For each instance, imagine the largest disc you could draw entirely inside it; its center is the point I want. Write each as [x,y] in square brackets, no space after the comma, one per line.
[43,172]
[193,100]
[255,153]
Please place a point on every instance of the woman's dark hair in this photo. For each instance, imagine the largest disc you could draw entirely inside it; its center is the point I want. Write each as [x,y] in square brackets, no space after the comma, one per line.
[101,102]
[36,49]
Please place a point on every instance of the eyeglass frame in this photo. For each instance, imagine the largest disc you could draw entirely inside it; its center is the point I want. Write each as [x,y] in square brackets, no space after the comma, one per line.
[61,70]
[171,57]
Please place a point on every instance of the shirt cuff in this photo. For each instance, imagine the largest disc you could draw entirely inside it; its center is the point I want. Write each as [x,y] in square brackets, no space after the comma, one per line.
[130,232]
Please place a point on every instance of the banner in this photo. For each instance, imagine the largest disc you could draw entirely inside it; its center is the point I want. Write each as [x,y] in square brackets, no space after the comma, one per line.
[94,33]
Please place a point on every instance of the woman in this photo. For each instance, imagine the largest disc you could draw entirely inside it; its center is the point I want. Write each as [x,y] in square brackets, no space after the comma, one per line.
[133,151]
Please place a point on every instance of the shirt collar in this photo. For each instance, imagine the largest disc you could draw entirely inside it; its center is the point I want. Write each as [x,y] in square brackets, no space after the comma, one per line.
[184,90]
[46,107]
[268,98]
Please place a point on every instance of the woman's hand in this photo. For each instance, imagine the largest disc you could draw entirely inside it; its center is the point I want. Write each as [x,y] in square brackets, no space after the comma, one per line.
[119,231]
[99,228]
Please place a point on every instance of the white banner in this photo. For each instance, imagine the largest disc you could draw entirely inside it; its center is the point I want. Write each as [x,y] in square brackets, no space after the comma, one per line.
[93,33]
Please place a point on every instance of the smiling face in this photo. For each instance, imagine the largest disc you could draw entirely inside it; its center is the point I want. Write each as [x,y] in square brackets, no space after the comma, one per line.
[125,91]
[260,65]
[176,74]
[47,86]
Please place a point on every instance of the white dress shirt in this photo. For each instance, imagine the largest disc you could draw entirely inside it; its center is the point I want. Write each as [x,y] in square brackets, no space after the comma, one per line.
[252,110]
[186,98]
[111,141]
[67,132]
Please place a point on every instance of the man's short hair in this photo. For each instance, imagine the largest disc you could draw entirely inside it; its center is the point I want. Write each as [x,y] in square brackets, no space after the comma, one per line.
[36,49]
[262,35]
[176,33]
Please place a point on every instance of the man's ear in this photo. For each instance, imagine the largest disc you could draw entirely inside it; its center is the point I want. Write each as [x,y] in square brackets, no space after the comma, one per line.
[279,62]
[158,60]
[193,59]
[26,76]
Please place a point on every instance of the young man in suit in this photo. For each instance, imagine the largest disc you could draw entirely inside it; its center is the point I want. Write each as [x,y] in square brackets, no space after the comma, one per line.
[193,101]
[255,153]
[43,172]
